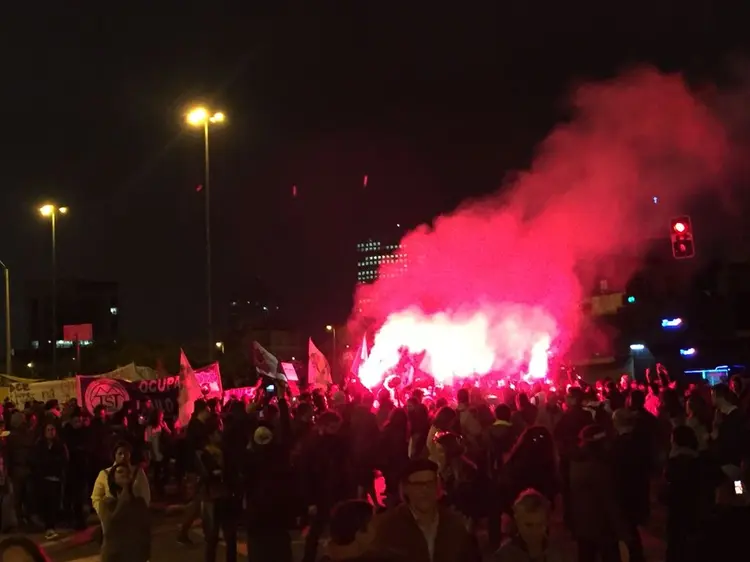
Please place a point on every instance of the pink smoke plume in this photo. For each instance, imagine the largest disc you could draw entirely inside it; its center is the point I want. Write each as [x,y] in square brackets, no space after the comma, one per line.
[499,281]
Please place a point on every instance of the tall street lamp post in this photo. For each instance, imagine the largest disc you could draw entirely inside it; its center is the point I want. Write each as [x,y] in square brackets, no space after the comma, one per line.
[332,329]
[8,349]
[51,211]
[202,117]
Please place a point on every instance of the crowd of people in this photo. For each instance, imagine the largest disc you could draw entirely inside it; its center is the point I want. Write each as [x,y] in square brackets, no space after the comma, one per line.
[465,475]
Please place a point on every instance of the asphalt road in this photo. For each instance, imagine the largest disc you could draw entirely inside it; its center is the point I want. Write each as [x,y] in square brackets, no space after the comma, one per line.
[166,549]
[164,546]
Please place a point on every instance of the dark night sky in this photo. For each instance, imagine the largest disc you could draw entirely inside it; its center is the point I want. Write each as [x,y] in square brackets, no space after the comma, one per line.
[435,105]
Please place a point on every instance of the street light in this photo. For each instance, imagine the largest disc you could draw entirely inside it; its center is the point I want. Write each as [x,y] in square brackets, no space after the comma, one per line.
[8,349]
[220,346]
[52,211]
[202,117]
[332,329]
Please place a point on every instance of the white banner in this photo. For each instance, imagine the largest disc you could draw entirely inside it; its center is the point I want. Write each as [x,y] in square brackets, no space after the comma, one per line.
[125,373]
[318,369]
[62,391]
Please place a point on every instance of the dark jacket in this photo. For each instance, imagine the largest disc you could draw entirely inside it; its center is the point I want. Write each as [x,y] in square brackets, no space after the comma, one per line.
[596,514]
[567,429]
[49,462]
[127,530]
[632,472]
[400,536]
[271,493]
[213,481]
[326,471]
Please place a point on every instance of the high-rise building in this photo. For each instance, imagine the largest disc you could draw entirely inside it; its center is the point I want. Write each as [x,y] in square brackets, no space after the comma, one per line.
[376,252]
[373,253]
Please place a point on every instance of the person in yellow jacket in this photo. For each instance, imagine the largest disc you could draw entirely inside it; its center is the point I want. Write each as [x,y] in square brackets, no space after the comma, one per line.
[101,489]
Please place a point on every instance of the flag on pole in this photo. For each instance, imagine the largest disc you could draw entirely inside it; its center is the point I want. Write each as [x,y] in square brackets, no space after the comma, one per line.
[190,391]
[265,362]
[318,369]
[360,357]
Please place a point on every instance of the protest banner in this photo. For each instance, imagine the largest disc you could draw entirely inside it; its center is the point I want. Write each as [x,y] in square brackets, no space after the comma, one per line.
[238,393]
[60,390]
[289,372]
[209,380]
[113,393]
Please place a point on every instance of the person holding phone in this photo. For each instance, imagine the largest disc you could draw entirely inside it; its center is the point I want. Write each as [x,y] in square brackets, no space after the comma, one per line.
[724,536]
[125,520]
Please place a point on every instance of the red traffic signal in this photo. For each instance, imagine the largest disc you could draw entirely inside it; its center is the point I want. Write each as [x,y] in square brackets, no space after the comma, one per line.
[681,232]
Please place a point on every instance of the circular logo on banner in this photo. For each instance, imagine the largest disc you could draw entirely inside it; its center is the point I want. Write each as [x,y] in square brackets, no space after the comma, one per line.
[108,393]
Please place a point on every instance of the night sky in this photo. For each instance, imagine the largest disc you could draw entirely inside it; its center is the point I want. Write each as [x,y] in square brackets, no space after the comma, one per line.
[434,105]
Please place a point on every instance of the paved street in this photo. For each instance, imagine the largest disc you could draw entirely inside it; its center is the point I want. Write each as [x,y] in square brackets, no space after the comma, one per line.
[166,549]
[79,547]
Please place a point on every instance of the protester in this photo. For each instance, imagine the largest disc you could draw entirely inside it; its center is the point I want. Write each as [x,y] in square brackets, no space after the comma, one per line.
[420,530]
[352,533]
[49,464]
[196,437]
[125,519]
[277,464]
[529,539]
[598,522]
[632,479]
[76,440]
[102,491]
[220,508]
[327,477]
[157,435]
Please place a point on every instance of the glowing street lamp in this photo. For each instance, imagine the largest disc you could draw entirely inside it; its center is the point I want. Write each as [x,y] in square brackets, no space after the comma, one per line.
[332,329]
[201,117]
[51,211]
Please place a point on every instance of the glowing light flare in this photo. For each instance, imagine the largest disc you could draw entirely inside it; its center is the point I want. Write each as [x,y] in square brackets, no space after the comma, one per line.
[679,227]
[200,116]
[197,116]
[48,210]
[510,338]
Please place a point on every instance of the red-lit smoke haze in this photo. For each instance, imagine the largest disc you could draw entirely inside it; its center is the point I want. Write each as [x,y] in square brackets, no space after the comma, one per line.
[500,275]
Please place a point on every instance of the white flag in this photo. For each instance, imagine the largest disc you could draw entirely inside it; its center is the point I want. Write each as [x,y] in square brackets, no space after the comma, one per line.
[318,369]
[265,362]
[190,391]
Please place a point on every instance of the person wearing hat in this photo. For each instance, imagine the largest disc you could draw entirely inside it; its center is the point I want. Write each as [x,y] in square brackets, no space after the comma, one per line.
[271,503]
[420,529]
[597,520]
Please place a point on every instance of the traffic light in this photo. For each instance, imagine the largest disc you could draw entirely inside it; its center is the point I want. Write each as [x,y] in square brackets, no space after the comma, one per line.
[681,232]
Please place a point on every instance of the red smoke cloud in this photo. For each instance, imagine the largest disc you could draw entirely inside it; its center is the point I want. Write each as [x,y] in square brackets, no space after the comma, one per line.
[520,254]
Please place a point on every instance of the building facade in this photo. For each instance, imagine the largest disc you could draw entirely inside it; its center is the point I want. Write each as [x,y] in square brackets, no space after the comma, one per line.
[377,257]
[78,302]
